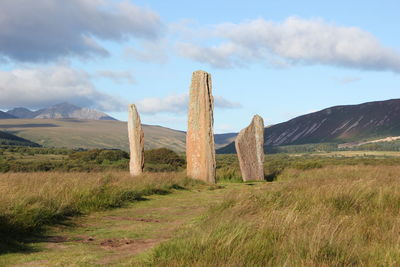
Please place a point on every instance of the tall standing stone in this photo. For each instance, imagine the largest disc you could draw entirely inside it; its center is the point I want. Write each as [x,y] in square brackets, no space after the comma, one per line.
[200,151]
[250,150]
[136,142]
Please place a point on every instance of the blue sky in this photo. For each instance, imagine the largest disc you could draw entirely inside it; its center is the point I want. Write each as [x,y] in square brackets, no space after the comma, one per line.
[278,59]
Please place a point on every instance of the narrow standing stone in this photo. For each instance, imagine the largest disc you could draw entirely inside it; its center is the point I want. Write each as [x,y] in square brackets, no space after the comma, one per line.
[136,142]
[250,150]
[200,151]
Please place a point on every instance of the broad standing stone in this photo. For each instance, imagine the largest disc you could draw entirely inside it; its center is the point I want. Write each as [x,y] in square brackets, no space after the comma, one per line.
[200,151]
[250,150]
[136,142]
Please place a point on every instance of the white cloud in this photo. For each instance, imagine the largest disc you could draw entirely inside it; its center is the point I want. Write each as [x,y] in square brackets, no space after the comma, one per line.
[41,87]
[177,104]
[221,102]
[294,41]
[45,30]
[171,104]
[117,76]
[220,56]
[149,52]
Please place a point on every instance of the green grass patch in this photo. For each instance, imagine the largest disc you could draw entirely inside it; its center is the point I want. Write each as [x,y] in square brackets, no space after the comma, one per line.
[32,201]
[330,216]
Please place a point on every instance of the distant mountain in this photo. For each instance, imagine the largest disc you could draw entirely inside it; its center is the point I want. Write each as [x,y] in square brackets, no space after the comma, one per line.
[13,140]
[339,124]
[23,113]
[60,111]
[67,111]
[5,115]
[224,139]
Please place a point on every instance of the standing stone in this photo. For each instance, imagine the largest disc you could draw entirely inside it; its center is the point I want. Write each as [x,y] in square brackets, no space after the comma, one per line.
[200,151]
[136,142]
[250,150]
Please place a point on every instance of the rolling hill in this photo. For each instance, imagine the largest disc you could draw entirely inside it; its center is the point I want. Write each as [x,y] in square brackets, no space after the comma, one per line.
[222,140]
[73,133]
[13,140]
[5,115]
[339,124]
[22,113]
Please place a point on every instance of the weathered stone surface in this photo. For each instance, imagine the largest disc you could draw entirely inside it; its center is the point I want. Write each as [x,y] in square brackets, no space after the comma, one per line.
[250,150]
[136,142]
[200,151]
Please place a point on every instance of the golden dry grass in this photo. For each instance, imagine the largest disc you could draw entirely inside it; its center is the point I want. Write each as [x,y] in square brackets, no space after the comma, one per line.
[73,133]
[30,201]
[333,216]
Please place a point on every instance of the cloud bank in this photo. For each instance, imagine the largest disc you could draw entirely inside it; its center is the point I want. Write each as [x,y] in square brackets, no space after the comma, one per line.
[45,30]
[41,87]
[116,76]
[178,104]
[294,41]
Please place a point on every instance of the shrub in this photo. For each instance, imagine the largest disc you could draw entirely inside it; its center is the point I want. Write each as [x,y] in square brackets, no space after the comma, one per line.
[166,158]
[89,155]
[112,155]
[99,155]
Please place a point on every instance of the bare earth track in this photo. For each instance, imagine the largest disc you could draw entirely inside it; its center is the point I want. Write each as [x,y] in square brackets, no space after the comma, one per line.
[117,237]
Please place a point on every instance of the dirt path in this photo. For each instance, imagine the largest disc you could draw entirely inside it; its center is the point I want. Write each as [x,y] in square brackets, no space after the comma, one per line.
[117,236]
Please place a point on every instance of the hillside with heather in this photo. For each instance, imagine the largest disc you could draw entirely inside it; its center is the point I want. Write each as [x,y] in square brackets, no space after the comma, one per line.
[339,124]
[5,115]
[13,140]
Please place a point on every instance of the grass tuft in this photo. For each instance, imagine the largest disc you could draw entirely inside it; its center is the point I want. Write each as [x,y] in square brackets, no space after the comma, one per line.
[330,216]
[30,201]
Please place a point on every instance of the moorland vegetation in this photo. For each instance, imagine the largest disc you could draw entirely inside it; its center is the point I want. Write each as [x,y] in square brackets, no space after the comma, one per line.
[329,216]
[322,208]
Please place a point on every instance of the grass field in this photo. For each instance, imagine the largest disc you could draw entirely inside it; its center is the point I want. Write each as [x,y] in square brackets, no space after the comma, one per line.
[117,237]
[24,157]
[351,154]
[89,134]
[31,201]
[333,216]
[319,210]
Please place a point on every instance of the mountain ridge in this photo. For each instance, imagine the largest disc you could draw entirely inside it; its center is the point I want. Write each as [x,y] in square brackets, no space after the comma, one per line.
[337,124]
[63,110]
[5,115]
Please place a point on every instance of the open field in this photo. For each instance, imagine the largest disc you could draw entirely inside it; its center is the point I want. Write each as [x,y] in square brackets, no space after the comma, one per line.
[24,157]
[90,134]
[329,215]
[72,133]
[275,164]
[351,154]
[30,201]
[28,159]
[333,216]
[117,236]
